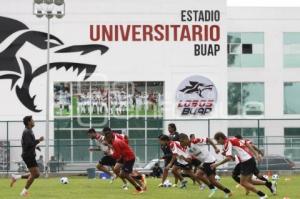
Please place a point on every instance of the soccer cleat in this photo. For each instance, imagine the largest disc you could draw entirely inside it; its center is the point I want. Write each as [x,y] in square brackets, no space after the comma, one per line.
[161,185]
[183,184]
[174,185]
[263,197]
[125,187]
[138,192]
[212,192]
[13,180]
[24,193]
[228,195]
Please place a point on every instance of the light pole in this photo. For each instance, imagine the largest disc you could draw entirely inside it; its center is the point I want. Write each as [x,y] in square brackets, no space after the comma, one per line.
[49,9]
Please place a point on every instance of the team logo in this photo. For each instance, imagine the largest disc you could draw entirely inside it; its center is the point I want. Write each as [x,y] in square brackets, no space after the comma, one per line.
[20,71]
[196,95]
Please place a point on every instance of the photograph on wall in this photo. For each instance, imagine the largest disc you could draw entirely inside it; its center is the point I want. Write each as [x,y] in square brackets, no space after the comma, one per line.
[81,98]
[137,98]
[62,99]
[118,98]
[155,98]
[99,100]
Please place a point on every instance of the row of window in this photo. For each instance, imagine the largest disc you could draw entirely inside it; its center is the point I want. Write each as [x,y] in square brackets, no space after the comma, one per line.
[245,98]
[246,49]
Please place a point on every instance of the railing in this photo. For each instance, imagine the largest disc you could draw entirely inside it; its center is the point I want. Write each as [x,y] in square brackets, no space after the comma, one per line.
[69,146]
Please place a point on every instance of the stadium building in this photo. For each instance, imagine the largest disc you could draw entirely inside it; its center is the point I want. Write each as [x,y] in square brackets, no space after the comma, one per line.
[236,72]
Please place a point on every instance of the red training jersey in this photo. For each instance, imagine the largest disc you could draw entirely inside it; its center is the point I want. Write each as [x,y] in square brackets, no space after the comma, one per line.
[122,150]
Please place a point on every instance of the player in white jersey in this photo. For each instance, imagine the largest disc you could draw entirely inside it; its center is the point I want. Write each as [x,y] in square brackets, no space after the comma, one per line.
[107,159]
[198,149]
[245,154]
[180,160]
[261,180]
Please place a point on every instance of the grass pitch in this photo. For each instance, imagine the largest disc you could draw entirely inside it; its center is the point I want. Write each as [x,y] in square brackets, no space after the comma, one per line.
[82,188]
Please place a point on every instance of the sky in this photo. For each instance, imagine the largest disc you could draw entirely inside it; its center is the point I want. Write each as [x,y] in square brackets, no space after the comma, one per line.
[264,3]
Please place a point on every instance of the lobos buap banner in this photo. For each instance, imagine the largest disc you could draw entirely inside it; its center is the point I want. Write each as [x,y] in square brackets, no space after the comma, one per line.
[110,41]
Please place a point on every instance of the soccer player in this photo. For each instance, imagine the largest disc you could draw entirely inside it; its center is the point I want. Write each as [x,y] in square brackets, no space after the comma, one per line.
[262,180]
[29,144]
[107,159]
[124,154]
[197,148]
[180,161]
[245,154]
[174,136]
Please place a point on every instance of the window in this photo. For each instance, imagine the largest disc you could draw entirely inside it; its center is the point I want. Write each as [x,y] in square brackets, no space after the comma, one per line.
[245,98]
[291,51]
[245,49]
[292,98]
[292,143]
[257,137]
[134,108]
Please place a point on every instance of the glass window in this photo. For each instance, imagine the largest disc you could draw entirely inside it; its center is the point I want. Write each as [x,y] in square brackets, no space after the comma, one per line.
[291,51]
[292,98]
[292,143]
[62,145]
[245,98]
[62,99]
[133,107]
[245,49]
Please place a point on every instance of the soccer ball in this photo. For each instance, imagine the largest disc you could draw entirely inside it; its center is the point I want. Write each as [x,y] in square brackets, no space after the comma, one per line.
[218,178]
[275,177]
[64,180]
[167,184]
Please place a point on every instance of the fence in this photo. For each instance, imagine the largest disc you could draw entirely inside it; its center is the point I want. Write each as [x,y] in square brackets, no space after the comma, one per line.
[278,138]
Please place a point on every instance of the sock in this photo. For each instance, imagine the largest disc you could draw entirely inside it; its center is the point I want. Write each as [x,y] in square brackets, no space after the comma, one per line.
[226,190]
[211,186]
[269,185]
[260,193]
[237,179]
[262,178]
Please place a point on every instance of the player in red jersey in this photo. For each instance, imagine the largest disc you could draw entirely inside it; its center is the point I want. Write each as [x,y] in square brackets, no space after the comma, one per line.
[245,154]
[125,155]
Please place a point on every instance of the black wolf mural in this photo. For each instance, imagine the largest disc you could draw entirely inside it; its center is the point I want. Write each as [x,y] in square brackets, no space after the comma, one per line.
[196,87]
[17,68]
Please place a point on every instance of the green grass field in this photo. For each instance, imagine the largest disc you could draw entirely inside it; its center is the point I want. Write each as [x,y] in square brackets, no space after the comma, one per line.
[82,188]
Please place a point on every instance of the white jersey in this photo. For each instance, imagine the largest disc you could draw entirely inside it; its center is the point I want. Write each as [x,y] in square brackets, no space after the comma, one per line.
[178,150]
[243,152]
[101,143]
[198,149]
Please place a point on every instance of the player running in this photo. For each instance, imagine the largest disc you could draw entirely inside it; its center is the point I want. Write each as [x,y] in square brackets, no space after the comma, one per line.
[180,161]
[124,154]
[245,154]
[197,148]
[174,135]
[262,180]
[29,144]
[107,159]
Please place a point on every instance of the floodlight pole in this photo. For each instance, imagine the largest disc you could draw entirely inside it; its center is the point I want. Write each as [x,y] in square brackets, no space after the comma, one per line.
[47,99]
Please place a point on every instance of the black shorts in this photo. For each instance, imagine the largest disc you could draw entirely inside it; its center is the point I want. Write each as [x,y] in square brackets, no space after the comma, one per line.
[183,166]
[205,167]
[108,161]
[237,170]
[248,167]
[196,162]
[128,166]
[30,161]
[168,160]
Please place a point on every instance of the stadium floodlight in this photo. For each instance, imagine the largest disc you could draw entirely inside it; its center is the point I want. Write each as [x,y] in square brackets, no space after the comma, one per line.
[38,1]
[49,9]
[59,2]
[48,2]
